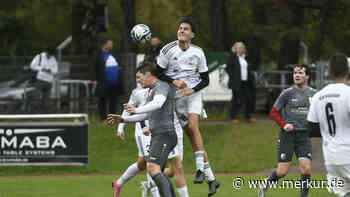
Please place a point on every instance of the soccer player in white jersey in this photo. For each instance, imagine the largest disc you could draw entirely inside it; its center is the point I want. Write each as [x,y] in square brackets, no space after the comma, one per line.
[183,65]
[138,98]
[329,115]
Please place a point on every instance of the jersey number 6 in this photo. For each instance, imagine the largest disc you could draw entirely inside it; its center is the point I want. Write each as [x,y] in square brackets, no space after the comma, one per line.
[330,119]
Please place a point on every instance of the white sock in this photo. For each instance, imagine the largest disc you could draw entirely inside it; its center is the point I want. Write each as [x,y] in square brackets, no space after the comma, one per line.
[128,174]
[199,157]
[183,191]
[155,192]
[208,172]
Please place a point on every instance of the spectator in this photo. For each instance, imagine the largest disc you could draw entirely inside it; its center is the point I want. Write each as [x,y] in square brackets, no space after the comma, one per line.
[45,66]
[154,50]
[105,75]
[241,82]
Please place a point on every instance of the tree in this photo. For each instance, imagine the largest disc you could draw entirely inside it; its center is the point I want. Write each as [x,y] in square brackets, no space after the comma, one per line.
[219,25]
[128,7]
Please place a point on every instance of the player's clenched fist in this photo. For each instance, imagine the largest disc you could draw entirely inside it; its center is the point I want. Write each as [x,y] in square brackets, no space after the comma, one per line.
[179,83]
[114,119]
[288,127]
[185,92]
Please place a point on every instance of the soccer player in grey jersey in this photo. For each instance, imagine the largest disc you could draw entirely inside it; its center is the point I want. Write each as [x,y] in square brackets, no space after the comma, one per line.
[289,112]
[183,65]
[159,111]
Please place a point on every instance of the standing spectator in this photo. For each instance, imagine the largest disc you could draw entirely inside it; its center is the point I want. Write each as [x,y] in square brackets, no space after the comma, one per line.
[45,66]
[241,82]
[154,50]
[105,75]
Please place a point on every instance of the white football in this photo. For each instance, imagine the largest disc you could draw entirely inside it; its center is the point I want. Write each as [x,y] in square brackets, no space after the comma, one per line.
[140,33]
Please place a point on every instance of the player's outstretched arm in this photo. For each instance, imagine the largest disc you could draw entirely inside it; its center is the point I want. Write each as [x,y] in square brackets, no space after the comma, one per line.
[153,105]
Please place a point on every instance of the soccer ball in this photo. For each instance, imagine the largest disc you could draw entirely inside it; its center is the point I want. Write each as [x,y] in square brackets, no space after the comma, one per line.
[140,33]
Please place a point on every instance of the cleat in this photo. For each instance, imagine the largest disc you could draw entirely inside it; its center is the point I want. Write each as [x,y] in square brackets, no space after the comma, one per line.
[116,189]
[263,189]
[199,177]
[213,186]
[145,189]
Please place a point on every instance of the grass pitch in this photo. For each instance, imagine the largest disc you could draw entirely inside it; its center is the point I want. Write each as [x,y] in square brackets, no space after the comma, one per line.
[97,186]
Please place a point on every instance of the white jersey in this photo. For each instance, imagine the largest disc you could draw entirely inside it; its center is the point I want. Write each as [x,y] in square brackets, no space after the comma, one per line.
[330,107]
[183,65]
[137,98]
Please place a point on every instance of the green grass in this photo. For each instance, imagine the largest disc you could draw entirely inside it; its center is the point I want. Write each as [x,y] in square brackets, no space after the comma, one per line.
[231,149]
[96,186]
[241,148]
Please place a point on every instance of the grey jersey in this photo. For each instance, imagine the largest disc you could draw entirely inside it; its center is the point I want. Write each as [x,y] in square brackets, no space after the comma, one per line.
[162,120]
[293,105]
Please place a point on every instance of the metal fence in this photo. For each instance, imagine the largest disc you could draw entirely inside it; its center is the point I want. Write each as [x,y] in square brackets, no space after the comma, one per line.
[72,91]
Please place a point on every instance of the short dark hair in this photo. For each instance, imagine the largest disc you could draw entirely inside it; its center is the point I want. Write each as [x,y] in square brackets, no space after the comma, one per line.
[339,65]
[147,66]
[189,20]
[307,70]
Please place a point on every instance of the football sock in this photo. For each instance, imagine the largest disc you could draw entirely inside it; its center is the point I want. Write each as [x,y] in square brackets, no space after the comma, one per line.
[183,191]
[304,190]
[199,157]
[150,181]
[128,174]
[208,172]
[164,185]
[273,177]
[152,185]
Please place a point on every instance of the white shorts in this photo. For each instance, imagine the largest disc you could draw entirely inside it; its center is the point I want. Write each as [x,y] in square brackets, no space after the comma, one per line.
[178,149]
[338,174]
[142,141]
[192,104]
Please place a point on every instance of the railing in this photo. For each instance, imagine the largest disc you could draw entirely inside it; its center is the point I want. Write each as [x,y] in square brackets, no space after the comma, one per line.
[74,93]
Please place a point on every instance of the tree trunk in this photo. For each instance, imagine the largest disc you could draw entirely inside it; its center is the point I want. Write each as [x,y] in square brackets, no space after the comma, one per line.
[219,25]
[289,51]
[127,44]
[323,22]
[78,15]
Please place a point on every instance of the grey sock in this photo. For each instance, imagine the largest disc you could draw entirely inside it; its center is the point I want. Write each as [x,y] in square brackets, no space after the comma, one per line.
[164,185]
[304,191]
[273,177]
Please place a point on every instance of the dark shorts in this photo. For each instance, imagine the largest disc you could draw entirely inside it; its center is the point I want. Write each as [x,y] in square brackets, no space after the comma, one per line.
[297,142]
[160,148]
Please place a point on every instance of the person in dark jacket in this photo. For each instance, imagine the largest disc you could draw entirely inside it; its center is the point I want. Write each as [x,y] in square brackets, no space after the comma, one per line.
[105,75]
[241,82]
